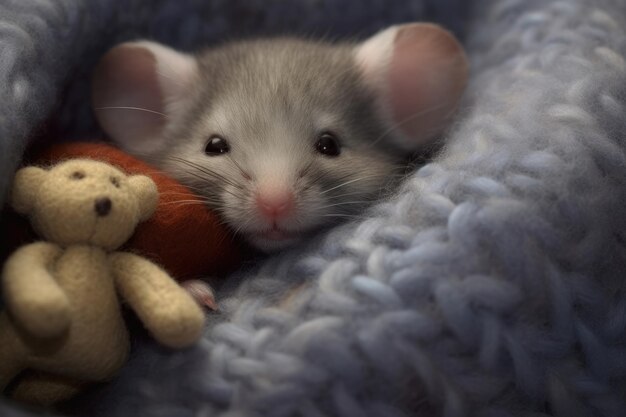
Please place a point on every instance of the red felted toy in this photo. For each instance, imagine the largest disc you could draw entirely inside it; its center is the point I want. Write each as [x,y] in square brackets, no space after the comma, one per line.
[187,239]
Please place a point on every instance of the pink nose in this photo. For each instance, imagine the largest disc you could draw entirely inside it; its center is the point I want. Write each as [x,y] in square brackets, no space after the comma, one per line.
[275,205]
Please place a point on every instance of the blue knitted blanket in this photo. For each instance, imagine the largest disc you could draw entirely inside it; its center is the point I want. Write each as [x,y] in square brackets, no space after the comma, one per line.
[492,284]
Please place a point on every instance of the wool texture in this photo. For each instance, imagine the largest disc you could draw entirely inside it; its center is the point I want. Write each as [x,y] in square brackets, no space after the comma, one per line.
[88,341]
[164,307]
[63,325]
[492,284]
[197,243]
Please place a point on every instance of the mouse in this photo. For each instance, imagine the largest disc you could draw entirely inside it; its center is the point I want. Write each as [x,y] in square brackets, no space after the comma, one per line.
[283,136]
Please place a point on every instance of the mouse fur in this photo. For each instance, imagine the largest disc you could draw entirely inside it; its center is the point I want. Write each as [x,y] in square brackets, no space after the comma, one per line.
[270,101]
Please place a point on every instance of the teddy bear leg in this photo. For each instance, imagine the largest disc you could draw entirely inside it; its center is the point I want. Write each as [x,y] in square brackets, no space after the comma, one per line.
[8,369]
[11,354]
[44,389]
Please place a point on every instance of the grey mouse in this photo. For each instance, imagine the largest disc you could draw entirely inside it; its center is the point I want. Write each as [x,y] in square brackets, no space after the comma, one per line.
[283,136]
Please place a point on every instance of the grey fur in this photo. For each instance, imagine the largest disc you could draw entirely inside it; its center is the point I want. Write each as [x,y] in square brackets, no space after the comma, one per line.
[276,96]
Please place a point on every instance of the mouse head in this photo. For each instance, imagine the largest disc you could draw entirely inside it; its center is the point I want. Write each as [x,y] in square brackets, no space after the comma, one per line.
[81,201]
[283,136]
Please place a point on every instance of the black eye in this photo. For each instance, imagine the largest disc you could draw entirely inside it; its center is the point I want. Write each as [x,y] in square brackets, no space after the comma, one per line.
[115,181]
[77,175]
[328,145]
[216,146]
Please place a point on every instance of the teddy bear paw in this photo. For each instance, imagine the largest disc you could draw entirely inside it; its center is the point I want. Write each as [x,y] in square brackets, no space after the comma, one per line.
[47,316]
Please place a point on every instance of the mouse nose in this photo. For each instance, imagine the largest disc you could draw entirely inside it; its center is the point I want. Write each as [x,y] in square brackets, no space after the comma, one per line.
[276,204]
[103,206]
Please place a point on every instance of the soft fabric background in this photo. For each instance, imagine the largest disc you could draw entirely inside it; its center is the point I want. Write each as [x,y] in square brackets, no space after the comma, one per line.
[493,284]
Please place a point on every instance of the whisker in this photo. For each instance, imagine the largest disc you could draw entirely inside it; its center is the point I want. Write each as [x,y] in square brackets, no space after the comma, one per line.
[243,225]
[201,191]
[199,200]
[344,203]
[131,108]
[243,173]
[222,188]
[168,193]
[185,203]
[239,228]
[349,216]
[340,196]
[196,189]
[350,182]
[306,169]
[205,170]
[408,119]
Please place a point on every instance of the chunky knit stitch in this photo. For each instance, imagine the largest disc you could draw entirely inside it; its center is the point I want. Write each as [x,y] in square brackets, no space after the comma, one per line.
[492,284]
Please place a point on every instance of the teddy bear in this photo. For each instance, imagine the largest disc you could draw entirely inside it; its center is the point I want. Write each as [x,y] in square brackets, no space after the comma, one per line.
[62,327]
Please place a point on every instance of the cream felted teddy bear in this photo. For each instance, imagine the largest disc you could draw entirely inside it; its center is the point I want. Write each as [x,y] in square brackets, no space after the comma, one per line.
[63,325]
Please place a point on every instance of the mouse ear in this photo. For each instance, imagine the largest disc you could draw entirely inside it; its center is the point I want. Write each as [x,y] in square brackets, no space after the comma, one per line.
[136,88]
[418,72]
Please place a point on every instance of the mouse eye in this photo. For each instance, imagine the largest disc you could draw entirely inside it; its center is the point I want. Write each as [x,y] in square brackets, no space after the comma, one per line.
[216,146]
[77,175]
[327,144]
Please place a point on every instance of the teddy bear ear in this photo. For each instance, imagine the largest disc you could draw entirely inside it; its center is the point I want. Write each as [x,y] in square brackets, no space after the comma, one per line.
[147,195]
[25,187]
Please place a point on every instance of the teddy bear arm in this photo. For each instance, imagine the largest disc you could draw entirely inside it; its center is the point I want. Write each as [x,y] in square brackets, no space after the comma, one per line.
[166,309]
[32,295]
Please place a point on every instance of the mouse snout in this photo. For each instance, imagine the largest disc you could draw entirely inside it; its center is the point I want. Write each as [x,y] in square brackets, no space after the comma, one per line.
[103,206]
[275,204]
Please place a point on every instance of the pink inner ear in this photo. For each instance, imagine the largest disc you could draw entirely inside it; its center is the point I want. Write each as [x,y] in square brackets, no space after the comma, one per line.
[127,77]
[426,77]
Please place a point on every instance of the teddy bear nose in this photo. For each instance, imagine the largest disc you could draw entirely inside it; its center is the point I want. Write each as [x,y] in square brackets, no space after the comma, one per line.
[103,206]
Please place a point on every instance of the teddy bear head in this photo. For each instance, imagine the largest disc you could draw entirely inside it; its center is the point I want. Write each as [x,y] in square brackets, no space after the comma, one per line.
[82,201]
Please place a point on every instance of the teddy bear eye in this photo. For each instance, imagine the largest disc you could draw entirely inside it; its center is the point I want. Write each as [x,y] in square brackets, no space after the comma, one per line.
[77,175]
[115,181]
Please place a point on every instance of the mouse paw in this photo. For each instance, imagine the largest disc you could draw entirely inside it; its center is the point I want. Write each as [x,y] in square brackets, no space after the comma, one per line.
[202,293]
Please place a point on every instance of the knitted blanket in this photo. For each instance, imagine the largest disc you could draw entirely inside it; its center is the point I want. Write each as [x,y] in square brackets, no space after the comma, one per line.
[492,284]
